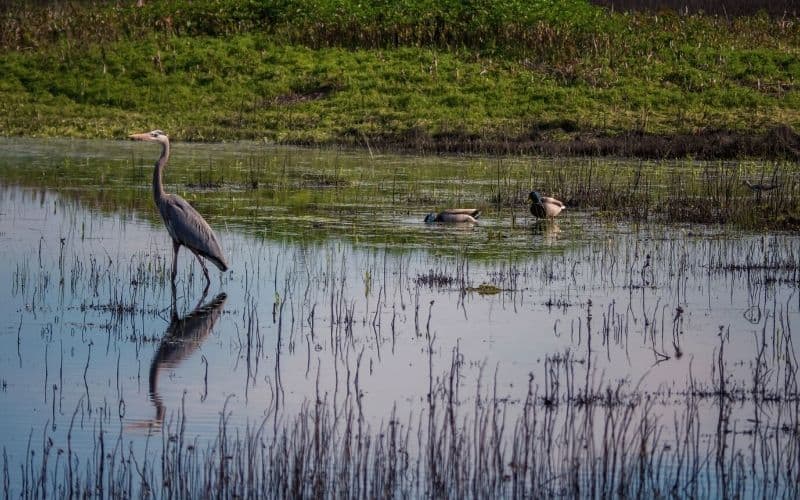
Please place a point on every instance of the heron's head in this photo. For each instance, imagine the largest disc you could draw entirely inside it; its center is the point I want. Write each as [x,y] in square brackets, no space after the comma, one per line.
[533,197]
[153,136]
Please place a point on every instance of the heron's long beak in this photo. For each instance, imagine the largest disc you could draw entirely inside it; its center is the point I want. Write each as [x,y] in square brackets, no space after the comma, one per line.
[140,137]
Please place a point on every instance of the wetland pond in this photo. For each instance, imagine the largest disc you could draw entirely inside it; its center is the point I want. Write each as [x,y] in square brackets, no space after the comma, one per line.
[353,350]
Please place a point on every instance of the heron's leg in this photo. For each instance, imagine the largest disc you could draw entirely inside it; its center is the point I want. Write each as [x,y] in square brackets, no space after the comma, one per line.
[202,296]
[174,304]
[208,281]
[205,270]
[175,247]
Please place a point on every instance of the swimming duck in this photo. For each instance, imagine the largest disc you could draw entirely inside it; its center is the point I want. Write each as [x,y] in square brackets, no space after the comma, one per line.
[544,206]
[454,215]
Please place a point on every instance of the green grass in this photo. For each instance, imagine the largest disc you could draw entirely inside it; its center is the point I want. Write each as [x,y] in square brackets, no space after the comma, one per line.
[358,72]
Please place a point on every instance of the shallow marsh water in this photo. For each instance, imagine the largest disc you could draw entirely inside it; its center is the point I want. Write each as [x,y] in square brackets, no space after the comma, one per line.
[339,293]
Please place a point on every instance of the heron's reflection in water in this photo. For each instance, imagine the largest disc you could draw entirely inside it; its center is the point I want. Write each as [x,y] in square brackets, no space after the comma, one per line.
[182,338]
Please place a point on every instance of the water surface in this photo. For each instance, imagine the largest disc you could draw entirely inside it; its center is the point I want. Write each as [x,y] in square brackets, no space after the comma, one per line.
[338,290]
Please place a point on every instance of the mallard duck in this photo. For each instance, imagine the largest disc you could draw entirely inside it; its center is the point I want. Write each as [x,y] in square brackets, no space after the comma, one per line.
[544,206]
[454,215]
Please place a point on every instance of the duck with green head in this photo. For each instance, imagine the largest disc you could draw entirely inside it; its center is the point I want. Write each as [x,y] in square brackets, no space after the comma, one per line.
[544,207]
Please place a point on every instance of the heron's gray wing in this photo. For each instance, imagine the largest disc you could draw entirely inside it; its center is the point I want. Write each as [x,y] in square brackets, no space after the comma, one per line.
[187,227]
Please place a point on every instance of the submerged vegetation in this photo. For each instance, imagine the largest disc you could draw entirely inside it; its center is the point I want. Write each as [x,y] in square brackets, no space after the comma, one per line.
[509,76]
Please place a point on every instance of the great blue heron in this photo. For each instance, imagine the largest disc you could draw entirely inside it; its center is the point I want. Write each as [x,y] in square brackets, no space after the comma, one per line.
[454,215]
[544,206]
[184,224]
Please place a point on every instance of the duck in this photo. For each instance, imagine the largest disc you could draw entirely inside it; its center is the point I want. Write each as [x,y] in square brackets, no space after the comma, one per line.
[544,207]
[454,215]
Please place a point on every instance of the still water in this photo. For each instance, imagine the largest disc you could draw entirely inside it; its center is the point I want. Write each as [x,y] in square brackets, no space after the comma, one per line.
[329,298]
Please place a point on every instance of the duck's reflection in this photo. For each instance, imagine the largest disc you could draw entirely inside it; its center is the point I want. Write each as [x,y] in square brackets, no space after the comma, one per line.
[182,338]
[548,230]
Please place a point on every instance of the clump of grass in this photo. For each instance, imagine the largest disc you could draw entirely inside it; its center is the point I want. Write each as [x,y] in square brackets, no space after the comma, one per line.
[437,279]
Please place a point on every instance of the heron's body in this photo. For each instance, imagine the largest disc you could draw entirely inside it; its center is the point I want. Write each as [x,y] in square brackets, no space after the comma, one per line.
[454,215]
[184,224]
[544,207]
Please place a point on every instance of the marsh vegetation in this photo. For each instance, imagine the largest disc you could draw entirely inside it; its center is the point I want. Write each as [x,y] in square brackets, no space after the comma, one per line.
[355,351]
[640,345]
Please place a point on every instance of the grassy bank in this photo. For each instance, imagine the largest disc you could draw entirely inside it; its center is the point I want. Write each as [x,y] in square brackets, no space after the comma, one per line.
[494,77]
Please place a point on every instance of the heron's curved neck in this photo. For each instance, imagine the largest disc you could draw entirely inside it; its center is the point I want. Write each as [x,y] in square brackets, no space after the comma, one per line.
[158,185]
